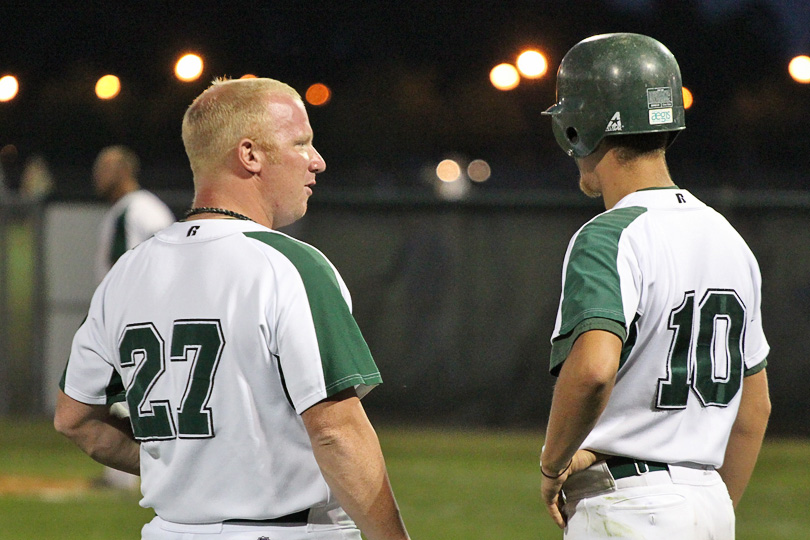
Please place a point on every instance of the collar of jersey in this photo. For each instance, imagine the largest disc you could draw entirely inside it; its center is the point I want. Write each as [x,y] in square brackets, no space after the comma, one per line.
[659,197]
[207,229]
[656,188]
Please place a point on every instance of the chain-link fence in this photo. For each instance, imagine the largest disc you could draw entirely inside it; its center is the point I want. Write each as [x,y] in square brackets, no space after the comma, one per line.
[22,288]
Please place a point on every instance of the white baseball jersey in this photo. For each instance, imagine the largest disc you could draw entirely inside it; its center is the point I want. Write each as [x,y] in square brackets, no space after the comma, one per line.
[222,333]
[132,219]
[678,284]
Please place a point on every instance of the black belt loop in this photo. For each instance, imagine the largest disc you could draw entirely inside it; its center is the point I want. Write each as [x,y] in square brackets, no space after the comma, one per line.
[296,518]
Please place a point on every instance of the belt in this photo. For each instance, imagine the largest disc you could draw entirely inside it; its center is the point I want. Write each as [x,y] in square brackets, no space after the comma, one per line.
[624,467]
[296,518]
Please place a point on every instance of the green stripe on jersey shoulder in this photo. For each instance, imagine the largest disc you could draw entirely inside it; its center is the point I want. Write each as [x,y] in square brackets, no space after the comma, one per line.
[592,286]
[345,355]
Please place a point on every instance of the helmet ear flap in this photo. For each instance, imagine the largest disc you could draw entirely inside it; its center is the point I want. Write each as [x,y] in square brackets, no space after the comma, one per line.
[572,135]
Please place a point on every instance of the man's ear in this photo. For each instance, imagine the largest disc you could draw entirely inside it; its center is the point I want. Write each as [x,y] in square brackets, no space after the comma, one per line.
[247,154]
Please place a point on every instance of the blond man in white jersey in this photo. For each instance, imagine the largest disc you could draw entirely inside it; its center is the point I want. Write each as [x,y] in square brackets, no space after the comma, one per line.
[661,402]
[235,349]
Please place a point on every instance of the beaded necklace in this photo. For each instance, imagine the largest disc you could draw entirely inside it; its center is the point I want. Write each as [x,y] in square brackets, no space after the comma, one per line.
[212,210]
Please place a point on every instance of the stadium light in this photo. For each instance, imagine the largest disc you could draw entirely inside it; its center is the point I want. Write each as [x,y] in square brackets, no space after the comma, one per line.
[450,183]
[8,87]
[189,68]
[318,94]
[688,99]
[532,64]
[799,69]
[504,77]
[448,170]
[107,87]
[478,170]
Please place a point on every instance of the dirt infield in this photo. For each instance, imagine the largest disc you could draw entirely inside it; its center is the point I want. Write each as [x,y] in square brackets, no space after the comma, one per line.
[42,486]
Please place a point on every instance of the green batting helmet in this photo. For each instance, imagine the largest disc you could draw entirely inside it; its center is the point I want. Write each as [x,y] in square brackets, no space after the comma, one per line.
[615,84]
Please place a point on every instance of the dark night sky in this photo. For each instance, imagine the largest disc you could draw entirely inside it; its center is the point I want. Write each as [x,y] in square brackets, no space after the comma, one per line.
[793,16]
[410,82]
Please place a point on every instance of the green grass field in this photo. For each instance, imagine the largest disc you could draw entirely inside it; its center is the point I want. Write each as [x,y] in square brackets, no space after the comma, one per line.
[451,485]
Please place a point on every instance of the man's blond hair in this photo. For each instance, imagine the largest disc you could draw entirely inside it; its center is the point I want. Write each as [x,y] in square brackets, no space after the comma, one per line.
[227,111]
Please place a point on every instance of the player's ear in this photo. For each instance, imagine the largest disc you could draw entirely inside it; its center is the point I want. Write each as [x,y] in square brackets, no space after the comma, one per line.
[247,154]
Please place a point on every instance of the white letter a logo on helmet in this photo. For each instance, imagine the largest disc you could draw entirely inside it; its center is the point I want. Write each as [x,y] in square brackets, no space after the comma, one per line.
[615,123]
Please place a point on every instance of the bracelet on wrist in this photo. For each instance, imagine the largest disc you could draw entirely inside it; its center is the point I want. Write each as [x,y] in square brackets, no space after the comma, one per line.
[553,477]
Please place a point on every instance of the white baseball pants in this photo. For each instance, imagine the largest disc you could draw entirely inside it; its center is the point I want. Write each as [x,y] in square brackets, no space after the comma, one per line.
[683,503]
[159,529]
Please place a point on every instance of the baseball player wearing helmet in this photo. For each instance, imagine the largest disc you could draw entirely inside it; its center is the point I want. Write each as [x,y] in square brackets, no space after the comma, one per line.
[661,402]
[235,349]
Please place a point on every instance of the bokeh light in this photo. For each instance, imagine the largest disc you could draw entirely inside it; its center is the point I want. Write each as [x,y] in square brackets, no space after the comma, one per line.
[532,64]
[504,77]
[799,69]
[248,76]
[688,99]
[189,68]
[448,170]
[107,87]
[8,88]
[478,170]
[318,94]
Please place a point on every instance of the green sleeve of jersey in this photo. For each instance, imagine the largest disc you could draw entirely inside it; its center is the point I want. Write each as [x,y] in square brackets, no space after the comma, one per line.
[592,286]
[562,345]
[756,369]
[345,356]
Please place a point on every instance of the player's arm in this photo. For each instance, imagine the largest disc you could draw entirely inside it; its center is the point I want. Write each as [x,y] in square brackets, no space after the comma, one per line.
[746,435]
[583,388]
[102,436]
[349,455]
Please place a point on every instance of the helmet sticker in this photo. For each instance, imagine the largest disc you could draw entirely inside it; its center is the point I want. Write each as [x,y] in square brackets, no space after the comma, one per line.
[615,123]
[661,116]
[659,98]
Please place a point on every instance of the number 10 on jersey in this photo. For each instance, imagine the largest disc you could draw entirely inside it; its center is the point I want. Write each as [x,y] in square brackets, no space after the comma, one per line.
[714,338]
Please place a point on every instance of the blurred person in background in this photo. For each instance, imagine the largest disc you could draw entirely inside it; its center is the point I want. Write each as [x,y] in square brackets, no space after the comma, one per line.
[36,182]
[136,214]
[235,348]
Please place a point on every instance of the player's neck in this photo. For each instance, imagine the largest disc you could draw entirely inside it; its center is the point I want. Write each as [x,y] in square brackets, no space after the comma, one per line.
[622,179]
[211,197]
[123,188]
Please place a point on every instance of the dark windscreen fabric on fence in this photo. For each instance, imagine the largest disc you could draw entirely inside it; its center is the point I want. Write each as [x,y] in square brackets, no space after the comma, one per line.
[457,301]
